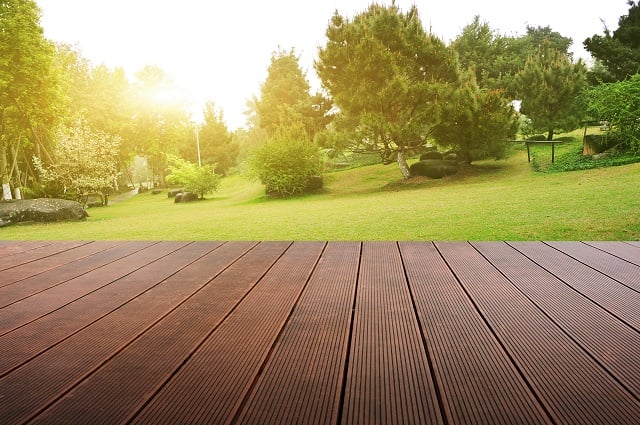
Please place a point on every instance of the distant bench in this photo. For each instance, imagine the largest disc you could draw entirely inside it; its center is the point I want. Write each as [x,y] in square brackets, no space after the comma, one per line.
[538,142]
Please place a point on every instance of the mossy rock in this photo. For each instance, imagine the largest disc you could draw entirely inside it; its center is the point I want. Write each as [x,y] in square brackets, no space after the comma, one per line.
[42,210]
[434,168]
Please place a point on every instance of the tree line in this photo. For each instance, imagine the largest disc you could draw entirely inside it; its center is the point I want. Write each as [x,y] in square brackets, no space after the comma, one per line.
[388,86]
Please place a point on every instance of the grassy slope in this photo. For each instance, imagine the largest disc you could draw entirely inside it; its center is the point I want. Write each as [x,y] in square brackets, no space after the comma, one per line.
[492,200]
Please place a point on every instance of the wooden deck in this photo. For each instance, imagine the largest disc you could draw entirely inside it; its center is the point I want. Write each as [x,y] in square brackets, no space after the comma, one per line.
[320,333]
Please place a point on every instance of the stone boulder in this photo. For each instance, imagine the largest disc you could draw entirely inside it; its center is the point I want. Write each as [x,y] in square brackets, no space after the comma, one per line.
[434,168]
[185,197]
[40,210]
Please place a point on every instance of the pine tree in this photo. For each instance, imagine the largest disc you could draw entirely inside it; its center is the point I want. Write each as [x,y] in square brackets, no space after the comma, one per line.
[549,85]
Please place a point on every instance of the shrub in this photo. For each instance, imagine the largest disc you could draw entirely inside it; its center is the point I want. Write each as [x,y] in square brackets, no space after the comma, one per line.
[286,164]
[197,179]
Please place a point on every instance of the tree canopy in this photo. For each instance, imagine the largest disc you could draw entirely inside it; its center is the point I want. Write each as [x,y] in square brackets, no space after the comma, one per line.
[286,101]
[619,51]
[388,78]
[29,95]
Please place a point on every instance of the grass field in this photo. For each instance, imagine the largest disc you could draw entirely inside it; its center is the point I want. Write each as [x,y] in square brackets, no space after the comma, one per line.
[490,200]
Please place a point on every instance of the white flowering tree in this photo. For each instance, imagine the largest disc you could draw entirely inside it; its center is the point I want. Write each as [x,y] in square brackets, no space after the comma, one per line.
[86,163]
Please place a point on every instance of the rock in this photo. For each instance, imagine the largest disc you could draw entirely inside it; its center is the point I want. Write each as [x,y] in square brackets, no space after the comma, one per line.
[173,192]
[314,183]
[434,168]
[156,191]
[185,197]
[40,210]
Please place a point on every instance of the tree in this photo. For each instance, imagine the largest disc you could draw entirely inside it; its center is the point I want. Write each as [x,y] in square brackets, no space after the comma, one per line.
[285,101]
[549,86]
[217,146]
[198,179]
[388,77]
[619,104]
[160,121]
[620,51]
[497,58]
[86,162]
[29,95]
[479,121]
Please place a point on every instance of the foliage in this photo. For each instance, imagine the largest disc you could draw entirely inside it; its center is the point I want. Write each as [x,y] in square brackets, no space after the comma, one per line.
[618,104]
[194,178]
[160,121]
[620,51]
[570,158]
[285,101]
[549,86]
[29,95]
[217,145]
[86,162]
[286,163]
[479,122]
[497,58]
[388,77]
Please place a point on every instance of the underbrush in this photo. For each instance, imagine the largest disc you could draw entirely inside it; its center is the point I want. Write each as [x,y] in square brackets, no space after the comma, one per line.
[569,157]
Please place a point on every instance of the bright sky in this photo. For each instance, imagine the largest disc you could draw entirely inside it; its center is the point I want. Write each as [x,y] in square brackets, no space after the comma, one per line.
[220,50]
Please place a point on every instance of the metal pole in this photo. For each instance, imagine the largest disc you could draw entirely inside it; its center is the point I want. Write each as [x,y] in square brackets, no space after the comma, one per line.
[198,145]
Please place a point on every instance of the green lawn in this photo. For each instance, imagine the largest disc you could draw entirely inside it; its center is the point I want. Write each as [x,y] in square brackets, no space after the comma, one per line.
[491,200]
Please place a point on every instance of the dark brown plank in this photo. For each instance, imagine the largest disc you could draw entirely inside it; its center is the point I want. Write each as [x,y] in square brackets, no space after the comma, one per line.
[301,383]
[388,378]
[478,382]
[622,250]
[45,378]
[618,299]
[43,251]
[8,248]
[34,268]
[119,390]
[121,281]
[571,386]
[614,267]
[607,339]
[36,277]
[209,388]
[22,312]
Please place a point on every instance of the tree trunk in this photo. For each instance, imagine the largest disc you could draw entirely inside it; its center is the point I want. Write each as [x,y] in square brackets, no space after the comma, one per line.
[550,135]
[402,164]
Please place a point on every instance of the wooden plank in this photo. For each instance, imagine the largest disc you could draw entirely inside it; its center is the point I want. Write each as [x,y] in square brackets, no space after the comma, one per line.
[619,300]
[572,387]
[624,272]
[17,247]
[119,390]
[20,313]
[477,380]
[302,381]
[43,251]
[388,378]
[612,343]
[95,258]
[121,281]
[15,274]
[44,379]
[622,250]
[210,387]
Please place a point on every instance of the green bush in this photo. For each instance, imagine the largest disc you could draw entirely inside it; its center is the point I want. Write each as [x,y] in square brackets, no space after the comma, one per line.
[197,179]
[286,165]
